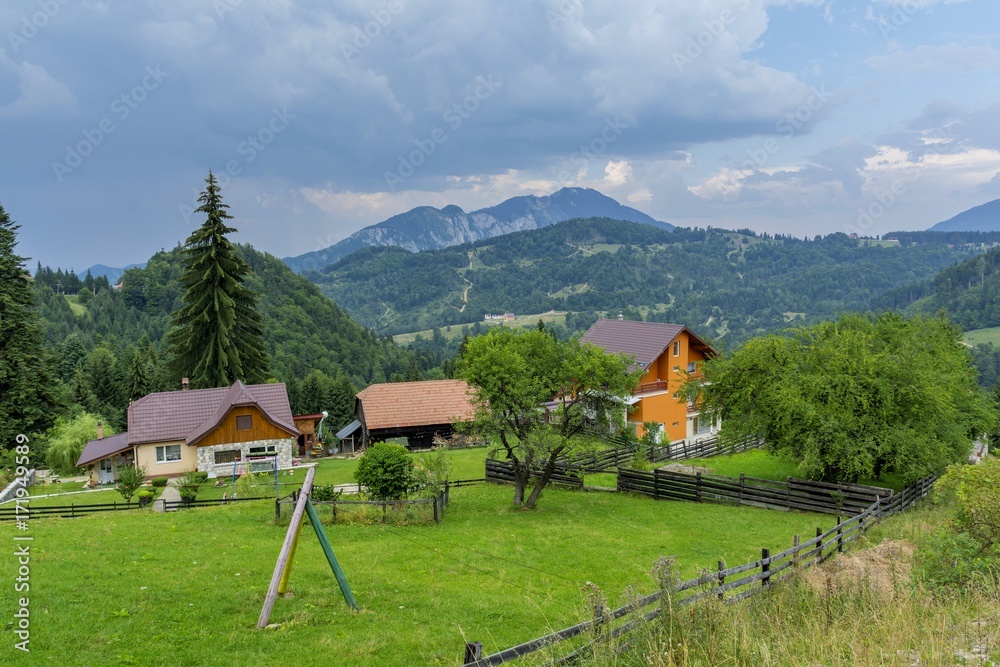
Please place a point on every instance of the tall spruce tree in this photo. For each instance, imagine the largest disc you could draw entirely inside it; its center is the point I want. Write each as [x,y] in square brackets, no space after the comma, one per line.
[27,393]
[218,334]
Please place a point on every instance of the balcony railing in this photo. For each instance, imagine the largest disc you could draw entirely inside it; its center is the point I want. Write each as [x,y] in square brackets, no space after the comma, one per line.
[651,387]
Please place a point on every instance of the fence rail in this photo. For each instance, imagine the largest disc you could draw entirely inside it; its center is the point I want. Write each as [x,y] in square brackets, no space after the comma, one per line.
[727,584]
[171,505]
[69,511]
[502,472]
[798,494]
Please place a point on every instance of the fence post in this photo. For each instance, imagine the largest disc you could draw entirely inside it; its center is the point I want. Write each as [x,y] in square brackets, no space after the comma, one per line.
[656,483]
[819,545]
[722,579]
[436,509]
[277,509]
[685,445]
[698,487]
[795,554]
[840,537]
[765,567]
[788,492]
[742,484]
[473,652]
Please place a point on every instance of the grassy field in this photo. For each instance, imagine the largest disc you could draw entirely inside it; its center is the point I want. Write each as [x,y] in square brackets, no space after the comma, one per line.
[185,588]
[759,463]
[980,336]
[862,609]
[520,321]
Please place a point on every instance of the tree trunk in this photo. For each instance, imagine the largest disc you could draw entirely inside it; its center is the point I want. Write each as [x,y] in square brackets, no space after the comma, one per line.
[521,475]
[550,467]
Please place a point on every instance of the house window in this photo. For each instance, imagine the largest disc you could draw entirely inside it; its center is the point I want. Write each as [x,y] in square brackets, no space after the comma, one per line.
[677,348]
[168,453]
[692,367]
[228,456]
[269,450]
[244,422]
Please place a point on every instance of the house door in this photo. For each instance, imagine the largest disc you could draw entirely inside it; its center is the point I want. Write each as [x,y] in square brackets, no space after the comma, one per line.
[105,472]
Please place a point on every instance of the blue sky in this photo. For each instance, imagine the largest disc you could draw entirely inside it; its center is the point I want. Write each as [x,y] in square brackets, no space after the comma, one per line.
[321,117]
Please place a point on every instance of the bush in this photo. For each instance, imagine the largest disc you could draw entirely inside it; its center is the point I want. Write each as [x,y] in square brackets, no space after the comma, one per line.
[326,492]
[158,482]
[432,475]
[130,478]
[974,492]
[200,475]
[386,471]
[192,479]
[952,560]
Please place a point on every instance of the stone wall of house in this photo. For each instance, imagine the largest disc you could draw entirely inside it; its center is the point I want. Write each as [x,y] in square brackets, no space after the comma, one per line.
[206,455]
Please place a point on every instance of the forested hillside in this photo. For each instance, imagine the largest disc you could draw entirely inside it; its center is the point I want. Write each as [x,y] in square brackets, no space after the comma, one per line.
[104,344]
[726,285]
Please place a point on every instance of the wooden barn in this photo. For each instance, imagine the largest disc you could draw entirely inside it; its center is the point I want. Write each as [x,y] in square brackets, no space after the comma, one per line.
[414,411]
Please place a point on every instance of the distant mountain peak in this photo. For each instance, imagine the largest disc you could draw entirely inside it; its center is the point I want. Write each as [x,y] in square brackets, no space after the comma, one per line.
[429,228]
[983,218]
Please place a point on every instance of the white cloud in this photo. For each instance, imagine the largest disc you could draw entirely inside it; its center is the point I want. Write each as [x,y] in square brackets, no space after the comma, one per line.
[950,58]
[38,91]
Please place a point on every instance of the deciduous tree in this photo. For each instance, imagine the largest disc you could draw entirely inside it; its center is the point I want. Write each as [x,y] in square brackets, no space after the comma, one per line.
[853,398]
[537,396]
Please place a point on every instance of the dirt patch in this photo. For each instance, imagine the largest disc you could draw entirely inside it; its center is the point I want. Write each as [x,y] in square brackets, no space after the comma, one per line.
[685,470]
[881,568]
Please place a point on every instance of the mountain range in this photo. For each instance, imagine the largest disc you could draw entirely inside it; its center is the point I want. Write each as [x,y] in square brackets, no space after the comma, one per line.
[429,228]
[985,218]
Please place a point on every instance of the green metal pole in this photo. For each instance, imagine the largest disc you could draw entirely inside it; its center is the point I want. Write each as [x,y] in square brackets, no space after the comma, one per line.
[345,588]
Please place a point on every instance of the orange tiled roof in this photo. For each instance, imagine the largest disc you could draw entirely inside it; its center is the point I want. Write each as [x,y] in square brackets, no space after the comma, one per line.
[404,404]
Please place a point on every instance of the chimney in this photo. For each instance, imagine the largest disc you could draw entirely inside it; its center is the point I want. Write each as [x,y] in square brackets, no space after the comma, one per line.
[100,430]
[620,317]
[184,384]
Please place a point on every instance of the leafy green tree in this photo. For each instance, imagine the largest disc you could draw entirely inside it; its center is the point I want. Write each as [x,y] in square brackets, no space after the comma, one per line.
[67,438]
[852,398]
[130,479]
[218,334]
[515,373]
[386,471]
[27,391]
[84,296]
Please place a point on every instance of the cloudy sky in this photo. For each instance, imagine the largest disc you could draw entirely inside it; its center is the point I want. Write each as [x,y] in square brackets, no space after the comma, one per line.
[323,116]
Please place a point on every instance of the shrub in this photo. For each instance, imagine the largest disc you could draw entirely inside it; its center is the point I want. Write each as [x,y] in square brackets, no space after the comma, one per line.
[433,472]
[249,484]
[952,560]
[974,491]
[326,492]
[188,488]
[158,482]
[200,475]
[386,470]
[130,478]
[145,496]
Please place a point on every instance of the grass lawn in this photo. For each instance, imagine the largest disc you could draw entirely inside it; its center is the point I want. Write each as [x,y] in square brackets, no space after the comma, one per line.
[465,464]
[761,464]
[185,588]
[980,336]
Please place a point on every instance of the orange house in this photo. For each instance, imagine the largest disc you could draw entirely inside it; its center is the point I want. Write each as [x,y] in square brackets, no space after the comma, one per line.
[667,355]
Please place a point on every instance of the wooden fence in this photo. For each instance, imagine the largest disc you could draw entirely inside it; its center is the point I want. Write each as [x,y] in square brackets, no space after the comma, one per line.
[28,511]
[502,472]
[699,449]
[798,494]
[722,583]
[337,507]
[173,505]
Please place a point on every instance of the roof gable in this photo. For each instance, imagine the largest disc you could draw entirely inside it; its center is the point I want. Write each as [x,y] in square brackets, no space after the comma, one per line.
[645,341]
[102,448]
[404,404]
[191,415]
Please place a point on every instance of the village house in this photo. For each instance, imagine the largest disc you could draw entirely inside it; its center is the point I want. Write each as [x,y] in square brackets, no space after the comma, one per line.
[414,411]
[667,354]
[210,430]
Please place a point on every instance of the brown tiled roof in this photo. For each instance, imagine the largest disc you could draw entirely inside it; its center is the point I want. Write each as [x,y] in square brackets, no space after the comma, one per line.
[102,448]
[643,340]
[190,415]
[404,404]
